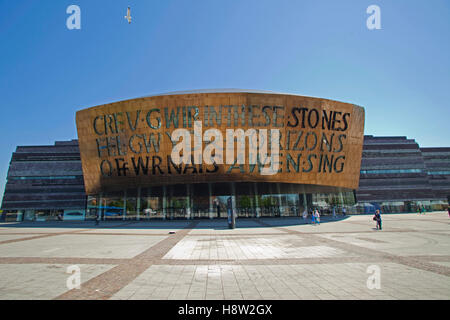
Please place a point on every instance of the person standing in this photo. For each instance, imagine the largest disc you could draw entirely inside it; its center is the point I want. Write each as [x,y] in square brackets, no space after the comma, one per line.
[230,213]
[344,211]
[318,216]
[217,203]
[378,219]
[334,212]
[313,217]
[305,214]
[448,210]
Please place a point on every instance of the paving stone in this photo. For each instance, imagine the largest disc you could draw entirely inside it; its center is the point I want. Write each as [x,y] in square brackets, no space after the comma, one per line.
[261,259]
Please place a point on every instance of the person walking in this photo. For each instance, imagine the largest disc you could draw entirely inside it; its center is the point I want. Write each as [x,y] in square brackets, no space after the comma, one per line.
[377,218]
[448,210]
[318,216]
[313,217]
[344,211]
[334,212]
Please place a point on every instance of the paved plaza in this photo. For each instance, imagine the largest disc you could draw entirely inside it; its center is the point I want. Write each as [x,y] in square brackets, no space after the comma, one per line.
[273,258]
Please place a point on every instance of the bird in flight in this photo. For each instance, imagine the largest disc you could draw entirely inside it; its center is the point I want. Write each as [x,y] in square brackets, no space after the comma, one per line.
[128,16]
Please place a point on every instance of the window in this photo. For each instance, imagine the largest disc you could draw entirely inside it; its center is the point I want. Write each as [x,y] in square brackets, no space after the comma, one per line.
[43,178]
[381,171]
[439,172]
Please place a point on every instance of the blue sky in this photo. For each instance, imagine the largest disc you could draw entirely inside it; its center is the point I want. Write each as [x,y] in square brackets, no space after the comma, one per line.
[400,74]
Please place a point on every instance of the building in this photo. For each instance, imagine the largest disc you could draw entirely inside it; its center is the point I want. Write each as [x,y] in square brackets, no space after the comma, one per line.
[437,163]
[44,182]
[128,165]
[398,176]
[123,166]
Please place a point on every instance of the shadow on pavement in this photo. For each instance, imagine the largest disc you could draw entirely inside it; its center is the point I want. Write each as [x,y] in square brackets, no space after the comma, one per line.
[216,224]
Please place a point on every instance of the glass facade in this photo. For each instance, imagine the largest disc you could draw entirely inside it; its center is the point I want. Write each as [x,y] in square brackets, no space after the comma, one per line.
[399,206]
[196,202]
[114,207]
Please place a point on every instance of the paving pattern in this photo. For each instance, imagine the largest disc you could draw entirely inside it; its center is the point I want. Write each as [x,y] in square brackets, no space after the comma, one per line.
[261,259]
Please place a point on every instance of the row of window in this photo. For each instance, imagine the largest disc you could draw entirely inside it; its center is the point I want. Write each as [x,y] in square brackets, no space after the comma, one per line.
[445,172]
[381,171]
[44,178]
